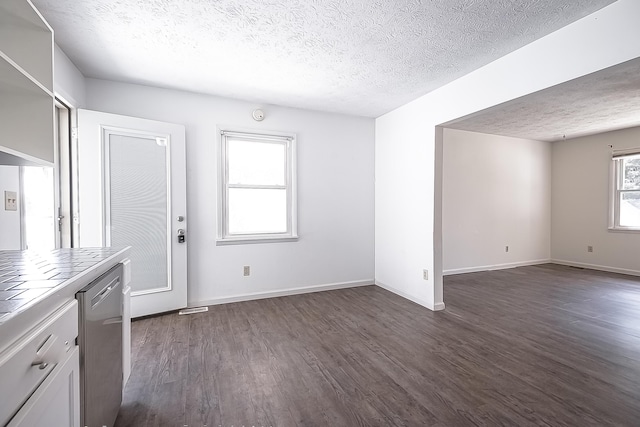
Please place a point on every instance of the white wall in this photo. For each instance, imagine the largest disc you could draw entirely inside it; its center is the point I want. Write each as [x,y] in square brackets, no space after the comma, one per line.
[335,193]
[68,82]
[9,220]
[496,192]
[407,231]
[580,204]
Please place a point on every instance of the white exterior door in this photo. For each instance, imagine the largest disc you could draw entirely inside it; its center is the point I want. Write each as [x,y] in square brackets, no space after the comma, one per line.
[132,192]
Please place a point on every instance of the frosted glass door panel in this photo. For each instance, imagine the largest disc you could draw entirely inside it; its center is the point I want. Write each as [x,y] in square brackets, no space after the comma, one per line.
[137,211]
[272,205]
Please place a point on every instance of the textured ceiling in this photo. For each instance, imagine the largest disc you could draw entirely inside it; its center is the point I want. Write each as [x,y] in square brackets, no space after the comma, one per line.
[599,102]
[363,57]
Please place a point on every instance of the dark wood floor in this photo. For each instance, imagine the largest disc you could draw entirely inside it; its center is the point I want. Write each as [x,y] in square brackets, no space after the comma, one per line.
[544,345]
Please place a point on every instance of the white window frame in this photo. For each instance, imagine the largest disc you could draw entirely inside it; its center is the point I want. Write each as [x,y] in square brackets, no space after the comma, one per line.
[289,141]
[617,180]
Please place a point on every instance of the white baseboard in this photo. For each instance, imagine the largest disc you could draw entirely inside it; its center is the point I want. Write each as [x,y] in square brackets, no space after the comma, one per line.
[494,267]
[438,306]
[596,267]
[280,293]
[435,307]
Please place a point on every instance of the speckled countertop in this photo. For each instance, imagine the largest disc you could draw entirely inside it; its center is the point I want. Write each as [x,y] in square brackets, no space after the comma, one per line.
[33,283]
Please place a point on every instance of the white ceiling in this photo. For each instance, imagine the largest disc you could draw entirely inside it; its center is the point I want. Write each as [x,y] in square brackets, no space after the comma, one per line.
[603,101]
[362,57]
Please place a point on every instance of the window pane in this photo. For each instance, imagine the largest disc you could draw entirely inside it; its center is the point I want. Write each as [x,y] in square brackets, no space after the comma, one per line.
[257,163]
[257,211]
[40,224]
[631,174]
[630,209]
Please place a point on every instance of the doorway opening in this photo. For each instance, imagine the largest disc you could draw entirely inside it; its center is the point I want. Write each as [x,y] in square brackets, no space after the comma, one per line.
[45,194]
[38,207]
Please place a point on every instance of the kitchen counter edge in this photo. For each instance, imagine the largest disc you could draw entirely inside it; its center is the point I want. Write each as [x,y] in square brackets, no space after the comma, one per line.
[15,325]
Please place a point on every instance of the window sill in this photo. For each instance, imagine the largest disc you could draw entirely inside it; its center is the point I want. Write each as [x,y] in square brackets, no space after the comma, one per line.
[253,240]
[624,230]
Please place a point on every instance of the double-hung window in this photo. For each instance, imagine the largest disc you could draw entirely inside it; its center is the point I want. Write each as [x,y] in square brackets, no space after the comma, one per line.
[626,191]
[257,187]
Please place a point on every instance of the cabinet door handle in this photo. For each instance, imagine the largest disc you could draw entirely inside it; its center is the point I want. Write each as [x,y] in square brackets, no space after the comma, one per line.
[46,346]
[40,365]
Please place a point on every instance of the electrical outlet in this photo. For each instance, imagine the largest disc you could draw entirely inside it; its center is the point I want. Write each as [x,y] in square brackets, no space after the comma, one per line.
[425,274]
[247,270]
[10,201]
[506,248]
[589,248]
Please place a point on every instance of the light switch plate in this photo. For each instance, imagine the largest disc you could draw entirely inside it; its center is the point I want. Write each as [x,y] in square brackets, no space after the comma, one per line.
[10,201]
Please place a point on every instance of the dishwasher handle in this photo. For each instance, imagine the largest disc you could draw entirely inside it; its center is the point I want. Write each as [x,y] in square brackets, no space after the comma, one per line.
[95,301]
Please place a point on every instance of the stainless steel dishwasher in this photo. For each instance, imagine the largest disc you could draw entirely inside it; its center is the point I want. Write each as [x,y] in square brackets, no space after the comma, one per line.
[100,342]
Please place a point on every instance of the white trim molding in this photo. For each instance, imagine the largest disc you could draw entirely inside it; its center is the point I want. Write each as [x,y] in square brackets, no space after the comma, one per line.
[596,267]
[288,141]
[281,293]
[494,267]
[617,190]
[431,306]
[439,306]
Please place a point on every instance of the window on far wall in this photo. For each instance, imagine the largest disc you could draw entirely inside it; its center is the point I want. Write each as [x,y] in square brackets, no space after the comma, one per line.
[257,193]
[626,194]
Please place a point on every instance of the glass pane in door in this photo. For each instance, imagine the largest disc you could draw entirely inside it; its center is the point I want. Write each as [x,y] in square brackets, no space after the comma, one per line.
[137,207]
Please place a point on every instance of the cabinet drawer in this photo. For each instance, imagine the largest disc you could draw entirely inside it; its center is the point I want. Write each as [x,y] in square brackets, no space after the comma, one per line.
[28,361]
[57,400]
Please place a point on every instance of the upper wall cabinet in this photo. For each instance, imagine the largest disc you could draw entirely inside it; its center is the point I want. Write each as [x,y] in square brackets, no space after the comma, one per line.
[27,103]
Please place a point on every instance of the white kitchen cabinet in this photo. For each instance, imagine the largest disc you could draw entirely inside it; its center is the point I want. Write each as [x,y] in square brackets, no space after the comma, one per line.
[56,401]
[39,354]
[40,373]
[27,102]
[126,331]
